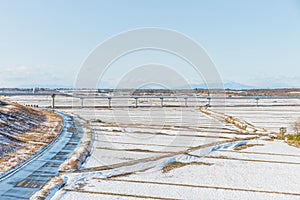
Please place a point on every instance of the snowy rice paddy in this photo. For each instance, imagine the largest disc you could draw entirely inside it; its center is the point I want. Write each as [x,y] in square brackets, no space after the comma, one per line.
[181,153]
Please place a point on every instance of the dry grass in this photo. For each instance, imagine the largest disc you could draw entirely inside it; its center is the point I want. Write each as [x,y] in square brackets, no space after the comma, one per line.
[121,175]
[242,147]
[141,150]
[293,140]
[31,128]
[176,165]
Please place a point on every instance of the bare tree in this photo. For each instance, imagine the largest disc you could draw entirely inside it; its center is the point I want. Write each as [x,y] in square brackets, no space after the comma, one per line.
[296,126]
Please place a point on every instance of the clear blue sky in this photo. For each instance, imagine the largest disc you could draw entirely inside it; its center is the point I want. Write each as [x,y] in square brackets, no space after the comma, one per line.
[252,42]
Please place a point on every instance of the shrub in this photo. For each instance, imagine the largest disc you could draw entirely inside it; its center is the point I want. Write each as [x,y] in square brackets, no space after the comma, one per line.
[296,127]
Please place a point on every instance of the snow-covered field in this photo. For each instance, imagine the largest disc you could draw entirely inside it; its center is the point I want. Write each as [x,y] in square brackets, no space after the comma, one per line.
[182,153]
[271,118]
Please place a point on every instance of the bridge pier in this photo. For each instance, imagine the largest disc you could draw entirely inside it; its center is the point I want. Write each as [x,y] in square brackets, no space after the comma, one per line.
[257,99]
[81,102]
[185,101]
[136,102]
[209,101]
[161,102]
[109,102]
[53,101]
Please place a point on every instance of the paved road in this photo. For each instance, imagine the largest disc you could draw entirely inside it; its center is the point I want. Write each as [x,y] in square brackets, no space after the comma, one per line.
[24,182]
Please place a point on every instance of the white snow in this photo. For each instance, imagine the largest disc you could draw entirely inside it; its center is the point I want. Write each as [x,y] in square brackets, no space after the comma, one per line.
[141,142]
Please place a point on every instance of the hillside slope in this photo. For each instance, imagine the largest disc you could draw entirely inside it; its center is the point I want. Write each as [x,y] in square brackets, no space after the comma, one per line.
[23,132]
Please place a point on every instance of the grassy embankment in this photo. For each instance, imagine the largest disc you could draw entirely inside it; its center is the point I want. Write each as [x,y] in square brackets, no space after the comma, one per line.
[23,132]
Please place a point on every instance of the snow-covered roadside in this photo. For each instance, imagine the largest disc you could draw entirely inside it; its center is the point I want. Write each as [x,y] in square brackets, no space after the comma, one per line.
[79,155]
[50,188]
[74,162]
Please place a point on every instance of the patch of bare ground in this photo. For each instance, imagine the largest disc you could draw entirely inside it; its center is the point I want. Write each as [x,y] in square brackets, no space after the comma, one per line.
[134,150]
[121,175]
[175,165]
[26,130]
[104,124]
[141,150]
[245,146]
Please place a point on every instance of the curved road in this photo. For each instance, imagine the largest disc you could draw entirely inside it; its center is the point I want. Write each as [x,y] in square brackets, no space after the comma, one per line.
[23,182]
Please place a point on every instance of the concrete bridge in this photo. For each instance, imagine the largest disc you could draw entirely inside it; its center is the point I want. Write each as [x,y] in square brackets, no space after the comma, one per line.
[206,100]
[109,98]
